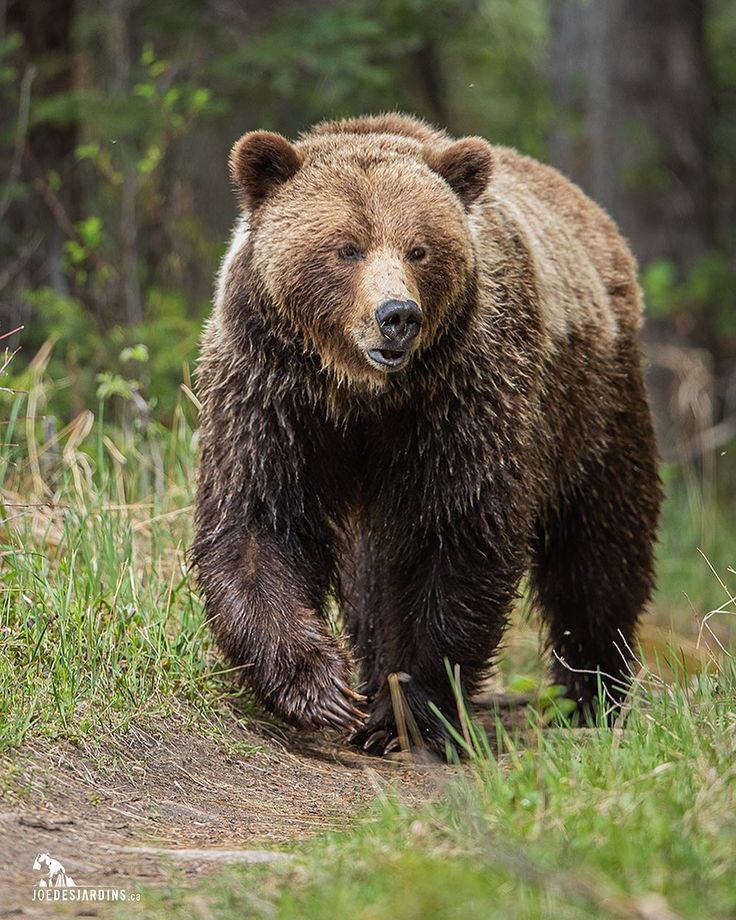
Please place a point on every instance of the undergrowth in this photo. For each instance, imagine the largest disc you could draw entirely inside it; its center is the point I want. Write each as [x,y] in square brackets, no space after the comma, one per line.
[99,619]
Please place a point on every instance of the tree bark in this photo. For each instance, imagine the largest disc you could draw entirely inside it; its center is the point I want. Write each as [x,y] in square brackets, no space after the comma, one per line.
[630,85]
[119,47]
[46,27]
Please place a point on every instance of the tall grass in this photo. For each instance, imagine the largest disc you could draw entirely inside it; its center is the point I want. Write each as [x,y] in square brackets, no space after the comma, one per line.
[98,617]
[638,822]
[696,556]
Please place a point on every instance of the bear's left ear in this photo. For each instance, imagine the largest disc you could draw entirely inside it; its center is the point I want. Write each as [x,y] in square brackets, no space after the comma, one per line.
[259,162]
[465,165]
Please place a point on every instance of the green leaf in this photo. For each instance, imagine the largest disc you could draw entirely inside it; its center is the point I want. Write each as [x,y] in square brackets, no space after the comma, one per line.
[522,684]
[75,252]
[144,90]
[87,151]
[147,55]
[150,161]
[90,231]
[171,97]
[135,353]
[110,384]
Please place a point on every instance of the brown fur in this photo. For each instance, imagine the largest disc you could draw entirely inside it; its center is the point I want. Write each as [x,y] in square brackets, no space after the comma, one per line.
[517,436]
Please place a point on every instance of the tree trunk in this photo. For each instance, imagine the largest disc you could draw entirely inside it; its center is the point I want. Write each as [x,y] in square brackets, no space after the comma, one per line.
[119,48]
[630,85]
[48,54]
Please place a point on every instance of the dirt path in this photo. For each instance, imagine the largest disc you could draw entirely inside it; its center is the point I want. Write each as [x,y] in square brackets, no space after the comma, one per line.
[164,796]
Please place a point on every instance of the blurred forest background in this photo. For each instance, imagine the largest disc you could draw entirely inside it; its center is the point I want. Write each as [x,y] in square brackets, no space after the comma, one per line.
[118,115]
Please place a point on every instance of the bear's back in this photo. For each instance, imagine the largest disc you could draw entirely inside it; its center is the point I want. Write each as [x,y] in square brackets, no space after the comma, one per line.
[392,123]
[571,238]
[564,203]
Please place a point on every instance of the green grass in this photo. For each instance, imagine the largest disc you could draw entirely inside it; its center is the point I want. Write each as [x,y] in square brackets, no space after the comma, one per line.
[699,524]
[98,617]
[100,626]
[567,824]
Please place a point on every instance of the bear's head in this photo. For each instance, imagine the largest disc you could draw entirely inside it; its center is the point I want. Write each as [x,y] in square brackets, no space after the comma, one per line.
[361,242]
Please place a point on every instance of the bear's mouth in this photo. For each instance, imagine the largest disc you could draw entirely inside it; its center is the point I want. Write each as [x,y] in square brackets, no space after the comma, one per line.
[387,358]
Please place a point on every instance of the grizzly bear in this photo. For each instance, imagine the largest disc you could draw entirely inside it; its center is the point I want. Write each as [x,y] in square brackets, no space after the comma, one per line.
[420,382]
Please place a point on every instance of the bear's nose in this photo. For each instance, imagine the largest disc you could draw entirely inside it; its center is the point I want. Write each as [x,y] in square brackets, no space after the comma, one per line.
[399,321]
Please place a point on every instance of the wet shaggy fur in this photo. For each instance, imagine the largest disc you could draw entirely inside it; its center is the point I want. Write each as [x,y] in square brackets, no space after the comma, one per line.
[516,439]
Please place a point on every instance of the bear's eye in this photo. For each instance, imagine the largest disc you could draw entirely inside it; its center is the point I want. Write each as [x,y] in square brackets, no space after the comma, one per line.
[350,252]
[417,254]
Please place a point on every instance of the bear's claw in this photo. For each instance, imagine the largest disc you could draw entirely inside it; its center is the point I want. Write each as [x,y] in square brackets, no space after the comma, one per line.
[342,715]
[353,694]
[375,739]
[378,742]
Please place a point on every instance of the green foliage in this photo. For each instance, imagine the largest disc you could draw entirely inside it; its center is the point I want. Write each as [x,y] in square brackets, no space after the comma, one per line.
[136,353]
[698,525]
[91,362]
[125,160]
[474,66]
[109,385]
[659,280]
[704,297]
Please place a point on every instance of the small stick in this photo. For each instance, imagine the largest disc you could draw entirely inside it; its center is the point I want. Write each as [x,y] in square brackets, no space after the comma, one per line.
[406,724]
[397,701]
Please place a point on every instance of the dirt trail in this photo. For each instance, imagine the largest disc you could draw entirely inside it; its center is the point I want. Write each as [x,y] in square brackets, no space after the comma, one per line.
[165,796]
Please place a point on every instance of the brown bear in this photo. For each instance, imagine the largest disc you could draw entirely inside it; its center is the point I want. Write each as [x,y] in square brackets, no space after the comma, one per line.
[421,381]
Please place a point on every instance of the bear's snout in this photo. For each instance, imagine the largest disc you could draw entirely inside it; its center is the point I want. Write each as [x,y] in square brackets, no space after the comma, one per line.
[399,321]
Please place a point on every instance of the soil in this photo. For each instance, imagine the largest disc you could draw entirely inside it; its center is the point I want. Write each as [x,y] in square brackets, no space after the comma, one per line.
[163,800]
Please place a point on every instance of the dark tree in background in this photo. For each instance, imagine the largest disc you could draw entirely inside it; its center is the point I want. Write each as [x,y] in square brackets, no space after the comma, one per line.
[632,118]
[46,69]
[636,88]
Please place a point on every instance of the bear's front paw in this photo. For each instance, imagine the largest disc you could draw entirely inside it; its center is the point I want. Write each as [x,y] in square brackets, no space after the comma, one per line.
[313,692]
[425,735]
[336,709]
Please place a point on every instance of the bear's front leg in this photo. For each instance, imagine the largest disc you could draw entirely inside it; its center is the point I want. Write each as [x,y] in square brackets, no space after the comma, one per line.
[265,604]
[448,600]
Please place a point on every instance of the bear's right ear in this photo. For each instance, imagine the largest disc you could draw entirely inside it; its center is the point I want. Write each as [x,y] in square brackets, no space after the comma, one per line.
[259,162]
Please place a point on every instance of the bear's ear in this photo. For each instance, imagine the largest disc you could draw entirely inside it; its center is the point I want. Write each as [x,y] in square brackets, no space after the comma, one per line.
[465,166]
[259,162]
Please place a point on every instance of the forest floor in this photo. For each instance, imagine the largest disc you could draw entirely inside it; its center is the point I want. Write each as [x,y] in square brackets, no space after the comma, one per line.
[151,804]
[151,800]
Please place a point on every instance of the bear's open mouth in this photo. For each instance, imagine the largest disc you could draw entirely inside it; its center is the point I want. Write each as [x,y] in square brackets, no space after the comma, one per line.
[387,357]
